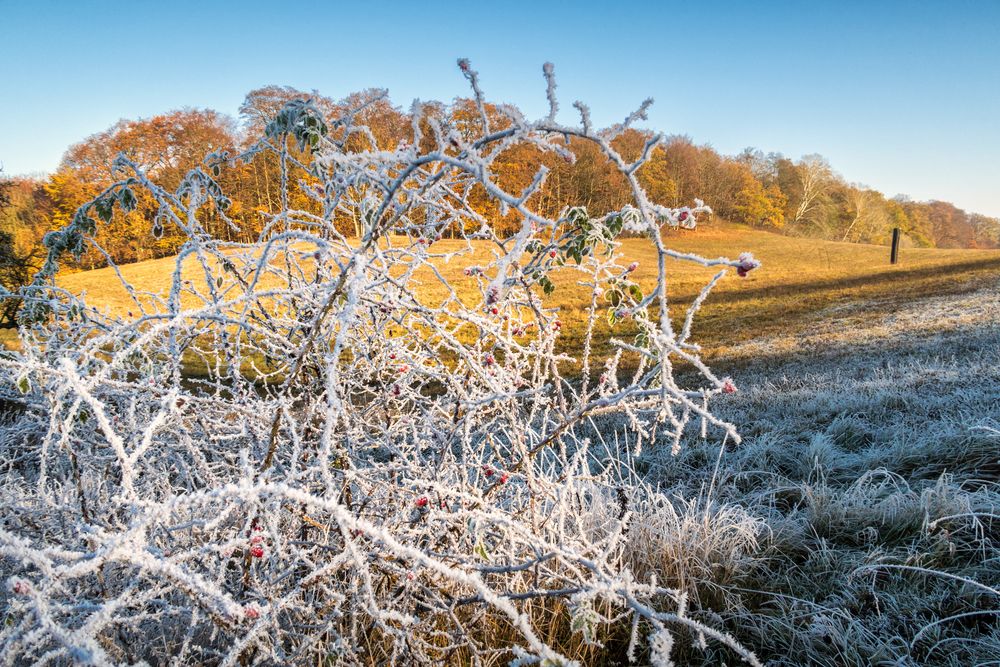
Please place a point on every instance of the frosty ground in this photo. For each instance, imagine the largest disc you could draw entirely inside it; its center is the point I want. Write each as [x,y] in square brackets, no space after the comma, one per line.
[858,522]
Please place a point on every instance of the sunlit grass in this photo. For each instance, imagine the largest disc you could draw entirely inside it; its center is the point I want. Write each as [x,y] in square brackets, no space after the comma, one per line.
[801,281]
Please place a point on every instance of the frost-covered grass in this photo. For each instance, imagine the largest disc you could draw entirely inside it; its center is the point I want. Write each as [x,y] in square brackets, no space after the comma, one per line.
[859,521]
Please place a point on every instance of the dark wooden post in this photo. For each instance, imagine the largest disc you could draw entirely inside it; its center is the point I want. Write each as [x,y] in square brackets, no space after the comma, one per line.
[894,253]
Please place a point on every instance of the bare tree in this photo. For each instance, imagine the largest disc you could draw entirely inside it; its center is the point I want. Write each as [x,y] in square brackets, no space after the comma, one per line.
[870,215]
[816,175]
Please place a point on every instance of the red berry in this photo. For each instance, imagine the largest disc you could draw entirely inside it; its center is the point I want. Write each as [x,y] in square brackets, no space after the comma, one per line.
[257,551]
[488,471]
[552,254]
[503,478]
[421,501]
[494,310]
[746,265]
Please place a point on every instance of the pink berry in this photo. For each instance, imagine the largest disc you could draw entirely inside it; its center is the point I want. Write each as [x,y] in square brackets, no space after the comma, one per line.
[633,266]
[728,387]
[251,612]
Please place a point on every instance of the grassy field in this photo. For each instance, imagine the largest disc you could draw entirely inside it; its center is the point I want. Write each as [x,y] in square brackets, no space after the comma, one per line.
[802,282]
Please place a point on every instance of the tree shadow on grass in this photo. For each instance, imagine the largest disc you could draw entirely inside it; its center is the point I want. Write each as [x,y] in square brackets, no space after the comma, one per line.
[885,278]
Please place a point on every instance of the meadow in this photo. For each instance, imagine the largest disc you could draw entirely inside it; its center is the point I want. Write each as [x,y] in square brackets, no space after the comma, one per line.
[803,283]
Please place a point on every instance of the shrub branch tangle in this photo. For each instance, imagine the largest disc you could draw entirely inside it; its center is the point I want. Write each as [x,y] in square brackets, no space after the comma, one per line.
[359,472]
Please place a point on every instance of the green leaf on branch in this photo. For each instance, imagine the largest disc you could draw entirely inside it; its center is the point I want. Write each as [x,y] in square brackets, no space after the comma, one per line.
[104,208]
[127,200]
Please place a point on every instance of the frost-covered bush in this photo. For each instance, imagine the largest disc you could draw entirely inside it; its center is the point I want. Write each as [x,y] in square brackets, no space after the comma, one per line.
[296,454]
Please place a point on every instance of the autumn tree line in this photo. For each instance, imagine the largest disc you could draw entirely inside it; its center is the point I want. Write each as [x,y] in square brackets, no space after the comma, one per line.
[768,191]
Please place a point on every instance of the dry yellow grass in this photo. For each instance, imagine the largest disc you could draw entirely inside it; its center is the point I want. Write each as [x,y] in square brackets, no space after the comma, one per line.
[799,282]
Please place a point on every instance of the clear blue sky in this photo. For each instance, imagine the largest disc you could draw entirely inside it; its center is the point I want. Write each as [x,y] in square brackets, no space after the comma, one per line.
[901,96]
